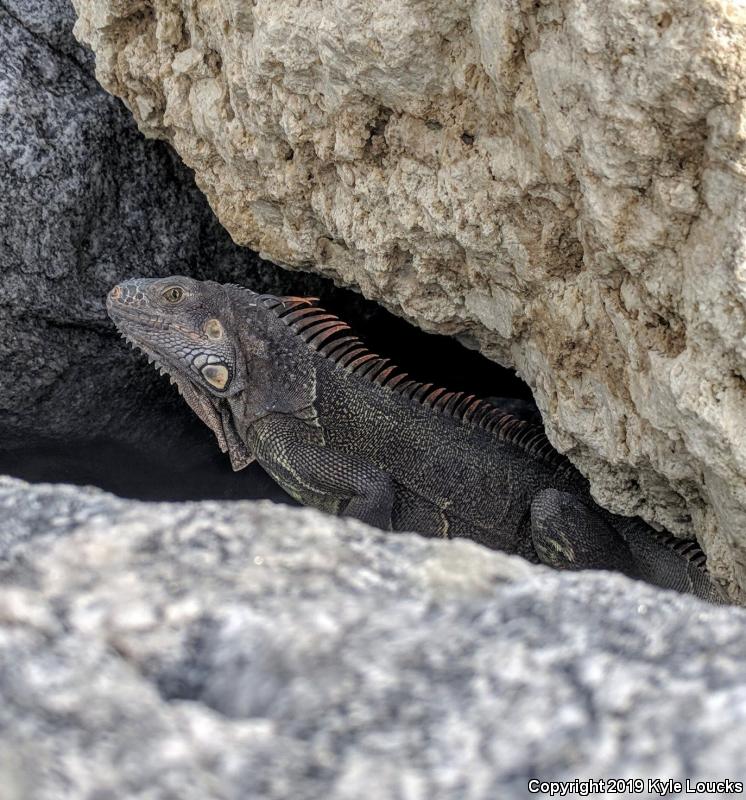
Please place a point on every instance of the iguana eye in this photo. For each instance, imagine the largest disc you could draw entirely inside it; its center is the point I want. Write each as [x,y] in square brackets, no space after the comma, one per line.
[173,294]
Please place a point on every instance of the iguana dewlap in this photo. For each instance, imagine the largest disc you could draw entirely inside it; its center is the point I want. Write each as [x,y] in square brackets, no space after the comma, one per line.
[279,380]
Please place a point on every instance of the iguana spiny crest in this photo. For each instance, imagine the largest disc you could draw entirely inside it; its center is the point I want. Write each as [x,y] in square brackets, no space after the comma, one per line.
[279,380]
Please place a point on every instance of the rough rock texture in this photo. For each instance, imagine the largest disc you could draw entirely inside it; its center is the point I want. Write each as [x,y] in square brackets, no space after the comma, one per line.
[560,183]
[86,202]
[242,650]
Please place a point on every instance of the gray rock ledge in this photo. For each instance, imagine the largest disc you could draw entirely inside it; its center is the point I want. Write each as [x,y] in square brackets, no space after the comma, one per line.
[249,650]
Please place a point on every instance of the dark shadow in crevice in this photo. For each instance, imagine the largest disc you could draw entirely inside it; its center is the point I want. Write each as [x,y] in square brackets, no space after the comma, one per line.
[196,471]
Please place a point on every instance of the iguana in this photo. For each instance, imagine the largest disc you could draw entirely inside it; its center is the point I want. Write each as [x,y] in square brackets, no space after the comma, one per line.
[280,380]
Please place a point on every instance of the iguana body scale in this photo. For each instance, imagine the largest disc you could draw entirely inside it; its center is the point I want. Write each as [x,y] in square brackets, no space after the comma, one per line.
[282,381]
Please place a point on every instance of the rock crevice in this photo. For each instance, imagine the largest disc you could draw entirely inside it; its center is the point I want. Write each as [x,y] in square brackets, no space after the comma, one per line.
[560,184]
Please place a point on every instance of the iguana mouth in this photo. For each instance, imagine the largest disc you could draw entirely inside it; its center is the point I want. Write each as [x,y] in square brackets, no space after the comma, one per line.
[145,321]
[133,326]
[152,356]
[140,318]
[156,359]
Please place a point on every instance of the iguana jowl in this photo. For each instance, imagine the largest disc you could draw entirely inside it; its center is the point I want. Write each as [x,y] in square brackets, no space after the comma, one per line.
[279,380]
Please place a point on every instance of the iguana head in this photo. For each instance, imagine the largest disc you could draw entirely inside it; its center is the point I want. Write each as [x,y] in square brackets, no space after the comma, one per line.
[184,326]
[187,328]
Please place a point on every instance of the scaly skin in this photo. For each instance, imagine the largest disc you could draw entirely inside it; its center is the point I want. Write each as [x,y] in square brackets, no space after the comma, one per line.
[280,381]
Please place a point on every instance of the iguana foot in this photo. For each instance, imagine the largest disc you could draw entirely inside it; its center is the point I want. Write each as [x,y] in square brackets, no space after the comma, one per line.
[567,534]
[375,505]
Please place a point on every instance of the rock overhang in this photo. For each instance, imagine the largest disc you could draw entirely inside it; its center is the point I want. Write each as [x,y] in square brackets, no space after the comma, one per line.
[561,186]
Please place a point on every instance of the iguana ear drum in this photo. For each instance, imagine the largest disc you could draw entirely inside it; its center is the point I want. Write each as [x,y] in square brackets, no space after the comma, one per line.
[214,329]
[216,375]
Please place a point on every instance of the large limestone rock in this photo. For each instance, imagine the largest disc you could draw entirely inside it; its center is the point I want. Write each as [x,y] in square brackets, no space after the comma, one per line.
[246,650]
[559,183]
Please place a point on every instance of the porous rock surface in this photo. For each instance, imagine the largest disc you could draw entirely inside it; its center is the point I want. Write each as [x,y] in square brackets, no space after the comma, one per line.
[558,183]
[241,650]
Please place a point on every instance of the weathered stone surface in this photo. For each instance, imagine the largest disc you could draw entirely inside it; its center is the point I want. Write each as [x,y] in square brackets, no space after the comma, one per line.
[560,183]
[86,202]
[245,650]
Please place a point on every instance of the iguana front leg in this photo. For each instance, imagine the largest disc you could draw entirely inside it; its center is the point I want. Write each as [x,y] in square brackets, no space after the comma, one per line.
[318,476]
